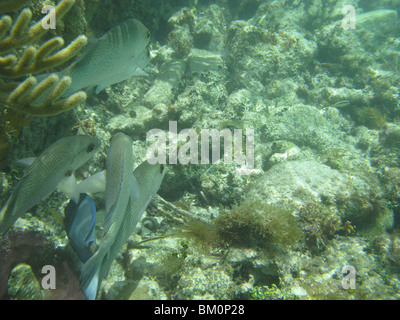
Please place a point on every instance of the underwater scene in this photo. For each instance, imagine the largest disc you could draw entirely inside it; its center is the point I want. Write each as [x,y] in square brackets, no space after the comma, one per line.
[199,150]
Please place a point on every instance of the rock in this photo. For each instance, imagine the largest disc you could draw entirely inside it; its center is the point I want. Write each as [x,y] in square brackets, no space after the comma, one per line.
[135,290]
[213,283]
[255,53]
[284,151]
[169,77]
[299,183]
[391,136]
[378,21]
[137,266]
[201,61]
[23,284]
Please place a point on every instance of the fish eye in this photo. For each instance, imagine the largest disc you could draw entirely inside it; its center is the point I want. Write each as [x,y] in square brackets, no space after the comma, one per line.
[151,224]
[90,148]
[68,173]
[162,168]
[147,35]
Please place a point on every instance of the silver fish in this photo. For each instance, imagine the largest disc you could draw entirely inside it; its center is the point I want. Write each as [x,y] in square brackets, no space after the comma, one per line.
[148,178]
[116,56]
[119,168]
[45,173]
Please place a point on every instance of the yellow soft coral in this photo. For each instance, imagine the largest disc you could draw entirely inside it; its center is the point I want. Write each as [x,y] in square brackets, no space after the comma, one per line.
[21,57]
[29,96]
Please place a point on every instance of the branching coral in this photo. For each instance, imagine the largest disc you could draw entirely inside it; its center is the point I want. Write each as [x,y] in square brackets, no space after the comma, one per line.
[20,59]
[29,96]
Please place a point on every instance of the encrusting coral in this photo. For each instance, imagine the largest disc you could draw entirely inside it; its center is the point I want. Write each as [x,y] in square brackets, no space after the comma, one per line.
[28,96]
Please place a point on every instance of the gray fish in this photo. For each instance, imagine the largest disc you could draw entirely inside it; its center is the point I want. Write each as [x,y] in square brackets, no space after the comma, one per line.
[116,56]
[119,168]
[59,160]
[148,178]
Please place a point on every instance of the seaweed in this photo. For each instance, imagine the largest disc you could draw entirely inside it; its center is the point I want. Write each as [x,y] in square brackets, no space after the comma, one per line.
[256,224]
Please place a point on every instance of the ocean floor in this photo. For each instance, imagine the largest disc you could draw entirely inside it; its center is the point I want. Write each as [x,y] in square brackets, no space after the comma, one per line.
[317,214]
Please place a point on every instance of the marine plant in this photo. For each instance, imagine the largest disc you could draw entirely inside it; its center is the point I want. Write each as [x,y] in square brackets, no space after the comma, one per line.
[11,123]
[371,117]
[254,223]
[319,223]
[368,211]
[271,293]
[168,272]
[390,179]
[337,158]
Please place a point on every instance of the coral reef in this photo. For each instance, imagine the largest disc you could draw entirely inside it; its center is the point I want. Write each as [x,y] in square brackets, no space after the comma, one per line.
[17,247]
[324,192]
[23,255]
[23,284]
[321,101]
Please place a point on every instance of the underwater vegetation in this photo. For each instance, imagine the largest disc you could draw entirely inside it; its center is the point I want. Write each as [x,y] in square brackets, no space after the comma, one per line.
[270,293]
[11,123]
[324,191]
[370,117]
[256,224]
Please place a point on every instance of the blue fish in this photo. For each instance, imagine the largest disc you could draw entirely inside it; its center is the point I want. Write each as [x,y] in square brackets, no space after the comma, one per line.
[79,223]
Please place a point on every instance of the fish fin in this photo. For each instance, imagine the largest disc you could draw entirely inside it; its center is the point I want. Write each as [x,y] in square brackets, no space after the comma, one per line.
[94,184]
[88,48]
[122,75]
[68,186]
[135,189]
[25,162]
[7,212]
[140,72]
[90,275]
[100,87]
[91,289]
[108,221]
[3,225]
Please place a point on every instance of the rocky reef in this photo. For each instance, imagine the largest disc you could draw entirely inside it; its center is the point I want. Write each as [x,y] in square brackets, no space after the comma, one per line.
[324,192]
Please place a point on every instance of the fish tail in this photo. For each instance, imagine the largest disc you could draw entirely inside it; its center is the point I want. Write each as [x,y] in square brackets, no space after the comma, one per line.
[4,223]
[90,275]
